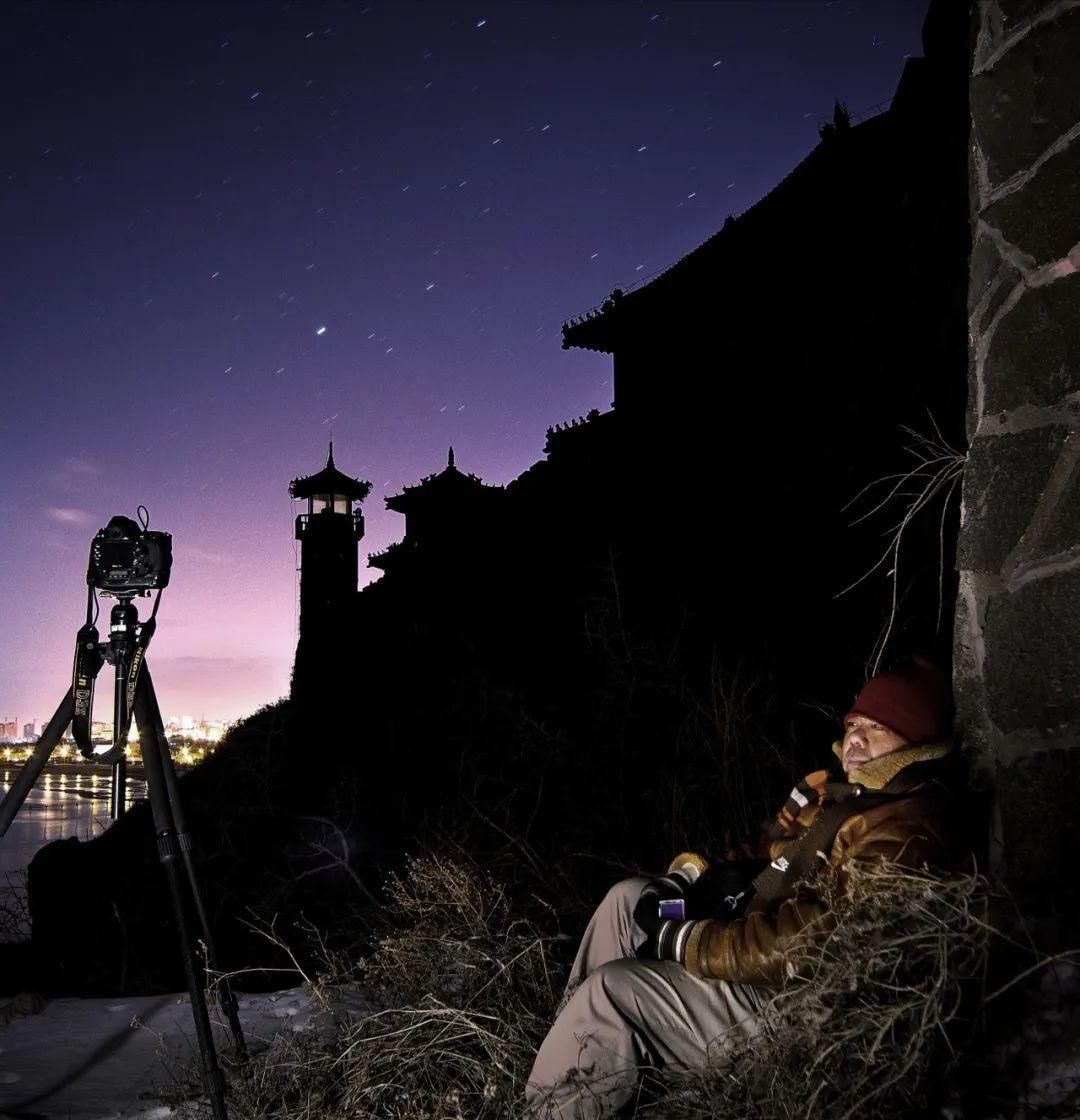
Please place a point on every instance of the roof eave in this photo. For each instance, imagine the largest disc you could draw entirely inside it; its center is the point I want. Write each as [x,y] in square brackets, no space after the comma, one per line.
[589,334]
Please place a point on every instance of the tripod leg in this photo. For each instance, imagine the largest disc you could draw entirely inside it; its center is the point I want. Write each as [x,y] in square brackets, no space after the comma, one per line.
[118,790]
[33,766]
[168,852]
[121,722]
[148,714]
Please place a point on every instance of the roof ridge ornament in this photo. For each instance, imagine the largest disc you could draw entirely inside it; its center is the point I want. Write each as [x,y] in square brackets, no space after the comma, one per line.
[330,480]
[450,457]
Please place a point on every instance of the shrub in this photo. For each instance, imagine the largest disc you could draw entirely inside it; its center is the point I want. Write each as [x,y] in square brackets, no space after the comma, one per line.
[866,1023]
[467,993]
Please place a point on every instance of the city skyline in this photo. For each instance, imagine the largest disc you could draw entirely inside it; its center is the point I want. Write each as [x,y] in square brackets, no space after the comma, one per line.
[231,235]
[182,720]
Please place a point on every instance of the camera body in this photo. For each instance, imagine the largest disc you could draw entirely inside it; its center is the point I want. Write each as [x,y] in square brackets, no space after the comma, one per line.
[128,560]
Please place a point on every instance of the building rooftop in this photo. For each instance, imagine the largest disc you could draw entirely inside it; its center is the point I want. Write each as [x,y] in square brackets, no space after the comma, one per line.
[444,488]
[329,481]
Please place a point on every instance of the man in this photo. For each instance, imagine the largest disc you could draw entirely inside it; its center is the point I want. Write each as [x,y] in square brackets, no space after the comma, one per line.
[648,991]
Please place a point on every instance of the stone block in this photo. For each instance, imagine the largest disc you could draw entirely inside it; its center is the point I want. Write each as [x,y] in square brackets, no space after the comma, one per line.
[1040,816]
[1016,13]
[983,268]
[1063,529]
[966,634]
[968,691]
[1003,480]
[985,264]
[1029,98]
[1042,218]
[971,408]
[1034,356]
[1033,658]
[990,280]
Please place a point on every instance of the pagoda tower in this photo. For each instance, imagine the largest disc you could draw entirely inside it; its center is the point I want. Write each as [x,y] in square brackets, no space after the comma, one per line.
[445,516]
[328,534]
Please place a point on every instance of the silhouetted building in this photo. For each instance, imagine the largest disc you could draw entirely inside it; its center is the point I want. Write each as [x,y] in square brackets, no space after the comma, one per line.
[447,515]
[765,379]
[328,532]
[760,384]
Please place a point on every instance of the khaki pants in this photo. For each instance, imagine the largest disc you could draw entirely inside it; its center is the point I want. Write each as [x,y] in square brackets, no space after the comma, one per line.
[623,1015]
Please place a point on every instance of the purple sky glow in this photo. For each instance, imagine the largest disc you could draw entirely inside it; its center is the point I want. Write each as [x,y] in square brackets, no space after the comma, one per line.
[229,227]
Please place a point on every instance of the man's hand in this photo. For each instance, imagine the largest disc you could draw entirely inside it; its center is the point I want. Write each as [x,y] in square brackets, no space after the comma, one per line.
[647,908]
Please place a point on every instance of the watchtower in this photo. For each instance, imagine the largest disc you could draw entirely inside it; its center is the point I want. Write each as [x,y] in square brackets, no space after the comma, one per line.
[328,534]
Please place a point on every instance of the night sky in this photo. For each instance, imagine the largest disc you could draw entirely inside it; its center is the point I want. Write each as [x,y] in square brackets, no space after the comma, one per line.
[228,227]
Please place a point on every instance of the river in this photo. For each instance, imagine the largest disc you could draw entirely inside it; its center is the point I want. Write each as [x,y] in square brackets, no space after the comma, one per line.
[61,804]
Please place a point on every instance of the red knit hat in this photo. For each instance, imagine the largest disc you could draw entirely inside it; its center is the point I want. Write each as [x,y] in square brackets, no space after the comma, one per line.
[915,701]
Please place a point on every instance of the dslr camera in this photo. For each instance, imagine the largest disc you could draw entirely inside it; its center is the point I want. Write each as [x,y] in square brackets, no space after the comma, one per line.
[127,559]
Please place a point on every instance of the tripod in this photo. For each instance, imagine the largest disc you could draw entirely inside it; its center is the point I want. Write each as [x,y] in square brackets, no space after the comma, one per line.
[134,695]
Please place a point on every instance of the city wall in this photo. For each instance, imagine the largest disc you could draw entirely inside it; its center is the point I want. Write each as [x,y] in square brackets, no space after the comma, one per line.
[1018,611]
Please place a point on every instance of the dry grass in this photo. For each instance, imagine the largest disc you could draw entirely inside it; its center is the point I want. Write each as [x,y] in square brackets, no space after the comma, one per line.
[870,1015]
[937,474]
[14,907]
[865,1024]
[468,993]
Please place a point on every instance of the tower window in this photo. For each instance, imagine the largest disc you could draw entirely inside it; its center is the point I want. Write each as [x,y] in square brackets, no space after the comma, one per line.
[333,503]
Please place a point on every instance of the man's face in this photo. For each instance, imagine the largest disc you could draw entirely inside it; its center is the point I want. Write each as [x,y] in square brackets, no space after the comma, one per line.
[866,739]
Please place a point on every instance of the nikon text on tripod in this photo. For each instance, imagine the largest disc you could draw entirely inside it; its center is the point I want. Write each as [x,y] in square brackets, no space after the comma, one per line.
[127,560]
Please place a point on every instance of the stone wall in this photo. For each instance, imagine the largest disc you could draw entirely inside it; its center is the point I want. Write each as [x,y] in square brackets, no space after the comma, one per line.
[1018,614]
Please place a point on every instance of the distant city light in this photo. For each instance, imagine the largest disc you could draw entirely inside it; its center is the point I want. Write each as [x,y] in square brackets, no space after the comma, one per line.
[190,740]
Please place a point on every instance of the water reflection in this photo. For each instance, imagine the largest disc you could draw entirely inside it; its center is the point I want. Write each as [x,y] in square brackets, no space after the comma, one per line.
[60,804]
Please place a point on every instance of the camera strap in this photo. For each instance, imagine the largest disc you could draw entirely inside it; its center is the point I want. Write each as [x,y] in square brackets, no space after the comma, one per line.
[88,662]
[90,655]
[809,853]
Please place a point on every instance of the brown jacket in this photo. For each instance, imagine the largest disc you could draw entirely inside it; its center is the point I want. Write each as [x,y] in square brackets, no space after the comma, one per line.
[911,830]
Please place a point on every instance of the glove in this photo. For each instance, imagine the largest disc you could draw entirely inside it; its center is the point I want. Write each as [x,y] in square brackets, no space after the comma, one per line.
[647,907]
[671,939]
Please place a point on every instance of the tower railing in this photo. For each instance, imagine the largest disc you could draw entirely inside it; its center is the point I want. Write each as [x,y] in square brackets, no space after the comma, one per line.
[306,521]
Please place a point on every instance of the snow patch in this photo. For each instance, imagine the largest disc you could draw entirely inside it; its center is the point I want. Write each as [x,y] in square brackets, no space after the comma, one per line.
[96,1059]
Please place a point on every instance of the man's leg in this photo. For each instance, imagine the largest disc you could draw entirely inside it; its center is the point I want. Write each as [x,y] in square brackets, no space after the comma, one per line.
[611,933]
[628,1015]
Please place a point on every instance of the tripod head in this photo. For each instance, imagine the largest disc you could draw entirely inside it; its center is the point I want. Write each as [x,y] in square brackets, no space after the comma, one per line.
[127,560]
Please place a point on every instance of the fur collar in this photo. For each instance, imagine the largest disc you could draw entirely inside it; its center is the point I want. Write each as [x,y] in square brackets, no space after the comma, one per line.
[878,772]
